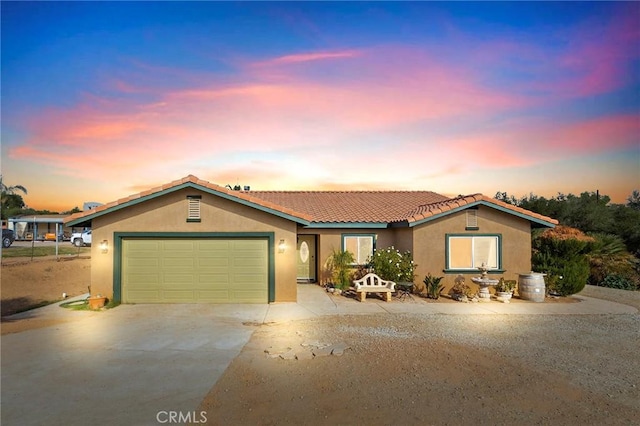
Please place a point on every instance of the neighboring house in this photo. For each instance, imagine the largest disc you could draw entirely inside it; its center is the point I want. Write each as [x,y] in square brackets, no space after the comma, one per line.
[26,227]
[193,241]
[90,205]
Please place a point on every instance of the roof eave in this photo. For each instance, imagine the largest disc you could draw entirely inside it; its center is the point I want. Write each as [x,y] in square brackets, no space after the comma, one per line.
[88,218]
[348,225]
[539,223]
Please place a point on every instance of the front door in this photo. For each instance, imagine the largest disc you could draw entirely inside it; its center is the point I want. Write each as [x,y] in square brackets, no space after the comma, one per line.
[306,254]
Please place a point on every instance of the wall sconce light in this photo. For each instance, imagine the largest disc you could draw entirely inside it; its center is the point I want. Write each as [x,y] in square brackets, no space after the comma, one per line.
[104,246]
[281,246]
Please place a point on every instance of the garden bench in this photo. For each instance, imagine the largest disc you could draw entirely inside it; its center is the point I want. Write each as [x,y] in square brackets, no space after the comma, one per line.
[371,283]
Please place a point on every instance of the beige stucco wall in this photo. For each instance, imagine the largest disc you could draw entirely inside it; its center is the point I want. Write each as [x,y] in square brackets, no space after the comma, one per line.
[329,240]
[429,244]
[167,213]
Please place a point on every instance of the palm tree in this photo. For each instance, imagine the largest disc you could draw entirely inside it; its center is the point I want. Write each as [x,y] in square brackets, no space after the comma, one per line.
[6,191]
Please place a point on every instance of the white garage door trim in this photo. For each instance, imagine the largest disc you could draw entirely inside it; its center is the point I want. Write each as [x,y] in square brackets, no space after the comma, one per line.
[119,237]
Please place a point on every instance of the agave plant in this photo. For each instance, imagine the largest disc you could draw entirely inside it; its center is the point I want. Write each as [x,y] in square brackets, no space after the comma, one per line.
[433,286]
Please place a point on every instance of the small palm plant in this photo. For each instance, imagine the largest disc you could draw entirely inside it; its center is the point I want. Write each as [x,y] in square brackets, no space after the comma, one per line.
[340,264]
[433,286]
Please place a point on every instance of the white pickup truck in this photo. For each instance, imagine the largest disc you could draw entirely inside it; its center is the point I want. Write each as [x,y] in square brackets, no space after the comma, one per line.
[80,239]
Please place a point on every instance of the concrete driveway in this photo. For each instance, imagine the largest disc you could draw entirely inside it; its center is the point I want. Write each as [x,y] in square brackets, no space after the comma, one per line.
[134,364]
[123,366]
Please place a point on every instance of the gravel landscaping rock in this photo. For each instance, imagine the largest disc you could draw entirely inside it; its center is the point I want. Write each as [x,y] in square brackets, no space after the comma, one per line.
[440,369]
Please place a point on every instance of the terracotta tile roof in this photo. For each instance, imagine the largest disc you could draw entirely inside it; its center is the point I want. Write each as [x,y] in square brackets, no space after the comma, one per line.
[351,206]
[335,206]
[192,179]
[429,210]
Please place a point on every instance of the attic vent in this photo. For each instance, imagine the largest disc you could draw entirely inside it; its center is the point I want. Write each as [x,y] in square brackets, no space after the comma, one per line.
[472,219]
[193,208]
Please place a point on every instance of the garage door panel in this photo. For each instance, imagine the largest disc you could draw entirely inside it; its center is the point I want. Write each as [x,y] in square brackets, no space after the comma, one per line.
[170,280]
[178,245]
[196,270]
[243,262]
[172,262]
[248,296]
[142,263]
[213,262]
[149,296]
[178,296]
[214,296]
[145,279]
[214,279]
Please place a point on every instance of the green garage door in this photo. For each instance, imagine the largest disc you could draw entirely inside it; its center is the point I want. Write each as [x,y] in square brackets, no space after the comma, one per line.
[195,271]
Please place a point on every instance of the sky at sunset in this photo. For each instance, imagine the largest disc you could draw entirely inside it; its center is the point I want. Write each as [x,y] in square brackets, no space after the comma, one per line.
[105,99]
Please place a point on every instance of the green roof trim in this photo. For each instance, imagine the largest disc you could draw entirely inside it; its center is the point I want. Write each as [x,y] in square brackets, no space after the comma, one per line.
[88,218]
[487,204]
[347,225]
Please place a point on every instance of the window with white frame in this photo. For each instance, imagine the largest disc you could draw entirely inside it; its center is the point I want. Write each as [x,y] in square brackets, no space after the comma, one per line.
[471,251]
[361,246]
[193,208]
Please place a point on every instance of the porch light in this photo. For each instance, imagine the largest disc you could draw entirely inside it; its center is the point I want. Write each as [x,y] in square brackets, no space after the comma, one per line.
[281,246]
[104,246]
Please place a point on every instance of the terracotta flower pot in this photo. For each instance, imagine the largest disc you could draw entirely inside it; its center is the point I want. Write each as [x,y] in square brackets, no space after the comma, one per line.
[97,302]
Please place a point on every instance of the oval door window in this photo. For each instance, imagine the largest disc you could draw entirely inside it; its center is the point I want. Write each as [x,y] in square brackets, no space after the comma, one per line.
[304,252]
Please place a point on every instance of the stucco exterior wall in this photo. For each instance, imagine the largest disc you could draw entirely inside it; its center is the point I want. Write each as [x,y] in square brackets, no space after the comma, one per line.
[329,240]
[429,244]
[168,213]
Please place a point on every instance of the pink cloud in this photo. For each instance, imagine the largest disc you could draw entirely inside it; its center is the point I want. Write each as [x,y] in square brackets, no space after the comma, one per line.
[368,96]
[307,57]
[597,135]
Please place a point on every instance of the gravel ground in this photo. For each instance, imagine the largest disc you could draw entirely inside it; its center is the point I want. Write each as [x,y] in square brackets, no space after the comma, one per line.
[438,369]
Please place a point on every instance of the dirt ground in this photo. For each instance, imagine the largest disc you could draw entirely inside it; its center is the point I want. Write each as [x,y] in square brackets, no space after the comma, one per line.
[404,369]
[25,283]
[437,370]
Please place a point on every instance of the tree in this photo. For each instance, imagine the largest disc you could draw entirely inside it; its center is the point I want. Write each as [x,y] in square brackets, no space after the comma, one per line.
[634,200]
[506,198]
[76,209]
[589,212]
[560,253]
[12,205]
[8,193]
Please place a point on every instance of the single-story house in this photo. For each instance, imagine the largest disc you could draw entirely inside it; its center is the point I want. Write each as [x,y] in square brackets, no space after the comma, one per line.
[193,241]
[36,227]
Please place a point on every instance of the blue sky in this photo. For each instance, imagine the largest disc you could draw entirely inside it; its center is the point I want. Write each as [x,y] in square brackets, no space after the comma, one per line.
[104,99]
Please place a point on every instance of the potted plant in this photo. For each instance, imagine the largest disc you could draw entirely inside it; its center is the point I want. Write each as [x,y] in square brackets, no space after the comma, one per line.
[96,302]
[433,286]
[504,289]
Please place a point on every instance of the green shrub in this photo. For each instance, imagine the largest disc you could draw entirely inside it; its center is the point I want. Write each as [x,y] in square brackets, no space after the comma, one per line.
[390,264]
[609,261]
[560,253]
[569,277]
[616,281]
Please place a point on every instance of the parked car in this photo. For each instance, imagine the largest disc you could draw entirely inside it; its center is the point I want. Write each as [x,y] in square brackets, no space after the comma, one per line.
[80,239]
[8,237]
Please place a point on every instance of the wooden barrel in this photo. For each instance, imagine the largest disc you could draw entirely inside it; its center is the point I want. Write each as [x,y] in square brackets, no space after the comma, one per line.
[531,286]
